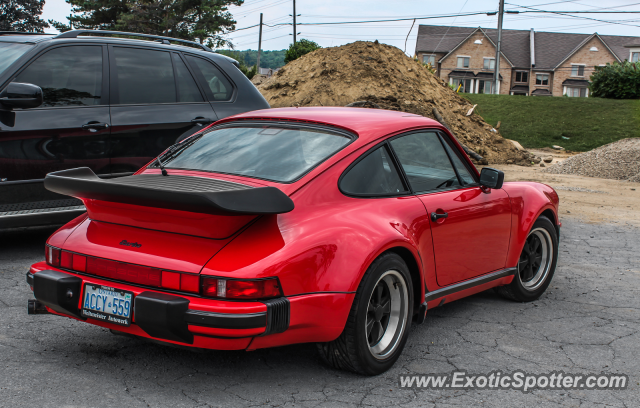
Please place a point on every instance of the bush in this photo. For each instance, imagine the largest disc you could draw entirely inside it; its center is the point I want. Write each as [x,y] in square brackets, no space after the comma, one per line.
[300,48]
[616,81]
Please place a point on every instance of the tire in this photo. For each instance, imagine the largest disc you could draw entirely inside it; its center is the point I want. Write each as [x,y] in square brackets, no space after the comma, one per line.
[372,340]
[533,276]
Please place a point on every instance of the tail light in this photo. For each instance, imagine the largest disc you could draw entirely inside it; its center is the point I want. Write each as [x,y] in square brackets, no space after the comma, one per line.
[240,289]
[144,275]
[52,255]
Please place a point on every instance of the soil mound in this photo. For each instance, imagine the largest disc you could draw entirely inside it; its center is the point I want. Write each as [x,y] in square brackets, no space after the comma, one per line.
[382,75]
[618,160]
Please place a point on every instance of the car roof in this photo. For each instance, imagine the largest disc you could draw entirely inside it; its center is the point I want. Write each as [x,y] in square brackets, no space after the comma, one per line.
[23,38]
[95,36]
[368,124]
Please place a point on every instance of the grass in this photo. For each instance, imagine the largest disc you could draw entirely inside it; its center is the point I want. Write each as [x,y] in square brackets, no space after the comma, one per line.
[577,124]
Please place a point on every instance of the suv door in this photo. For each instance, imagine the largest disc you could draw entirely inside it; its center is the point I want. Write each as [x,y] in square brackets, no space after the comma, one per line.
[470,228]
[155,102]
[70,129]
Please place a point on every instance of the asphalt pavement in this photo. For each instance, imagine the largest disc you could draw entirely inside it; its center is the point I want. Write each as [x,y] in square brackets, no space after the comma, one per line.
[587,322]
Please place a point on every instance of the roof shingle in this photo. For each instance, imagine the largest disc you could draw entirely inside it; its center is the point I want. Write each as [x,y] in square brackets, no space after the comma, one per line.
[550,48]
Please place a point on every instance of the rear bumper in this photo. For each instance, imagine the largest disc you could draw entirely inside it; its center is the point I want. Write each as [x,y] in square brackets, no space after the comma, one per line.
[196,321]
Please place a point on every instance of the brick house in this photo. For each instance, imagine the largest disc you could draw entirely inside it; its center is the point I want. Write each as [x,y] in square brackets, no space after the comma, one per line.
[531,63]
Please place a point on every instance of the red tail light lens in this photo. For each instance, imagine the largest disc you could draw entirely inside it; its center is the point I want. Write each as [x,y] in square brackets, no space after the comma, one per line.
[241,289]
[52,255]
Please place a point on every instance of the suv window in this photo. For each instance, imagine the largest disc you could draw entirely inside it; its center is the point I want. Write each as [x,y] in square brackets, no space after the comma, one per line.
[68,76]
[375,174]
[187,89]
[144,76]
[11,52]
[425,161]
[218,88]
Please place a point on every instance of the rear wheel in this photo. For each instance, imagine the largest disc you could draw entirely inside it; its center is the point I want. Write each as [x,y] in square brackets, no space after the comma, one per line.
[378,323]
[536,265]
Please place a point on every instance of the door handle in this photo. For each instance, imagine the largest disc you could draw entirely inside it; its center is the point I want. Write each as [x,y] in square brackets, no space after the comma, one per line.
[95,126]
[201,121]
[435,216]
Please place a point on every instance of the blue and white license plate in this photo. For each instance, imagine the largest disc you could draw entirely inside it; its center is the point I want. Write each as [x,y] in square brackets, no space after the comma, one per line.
[107,304]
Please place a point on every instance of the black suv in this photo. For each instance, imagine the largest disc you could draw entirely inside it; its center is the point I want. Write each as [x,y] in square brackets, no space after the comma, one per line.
[106,100]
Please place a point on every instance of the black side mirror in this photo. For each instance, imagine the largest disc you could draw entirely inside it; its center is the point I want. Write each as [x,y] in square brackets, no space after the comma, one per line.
[491,178]
[20,95]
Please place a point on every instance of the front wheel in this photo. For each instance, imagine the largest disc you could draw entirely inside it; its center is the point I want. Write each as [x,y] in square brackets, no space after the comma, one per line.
[536,264]
[378,323]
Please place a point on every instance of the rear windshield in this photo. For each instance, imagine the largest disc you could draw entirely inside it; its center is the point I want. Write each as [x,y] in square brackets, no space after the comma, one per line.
[9,52]
[275,153]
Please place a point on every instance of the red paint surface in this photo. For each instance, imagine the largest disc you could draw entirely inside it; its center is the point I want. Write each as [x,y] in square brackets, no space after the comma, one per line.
[321,249]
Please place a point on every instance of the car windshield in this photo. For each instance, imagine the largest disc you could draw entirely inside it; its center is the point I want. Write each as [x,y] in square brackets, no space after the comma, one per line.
[9,52]
[277,153]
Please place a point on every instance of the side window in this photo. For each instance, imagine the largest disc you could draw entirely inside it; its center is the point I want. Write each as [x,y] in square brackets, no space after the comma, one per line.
[68,76]
[425,162]
[187,89]
[375,174]
[144,76]
[217,86]
[463,172]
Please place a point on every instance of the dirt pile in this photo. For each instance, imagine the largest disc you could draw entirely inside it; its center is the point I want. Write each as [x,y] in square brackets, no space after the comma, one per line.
[618,160]
[384,75]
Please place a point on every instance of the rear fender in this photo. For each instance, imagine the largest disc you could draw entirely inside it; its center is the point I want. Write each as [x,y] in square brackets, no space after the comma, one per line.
[327,242]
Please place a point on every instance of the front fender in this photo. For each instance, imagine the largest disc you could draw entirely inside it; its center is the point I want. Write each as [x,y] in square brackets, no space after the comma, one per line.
[528,201]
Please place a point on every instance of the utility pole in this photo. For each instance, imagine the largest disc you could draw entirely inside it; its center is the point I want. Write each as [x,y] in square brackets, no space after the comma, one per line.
[294,22]
[496,74]
[259,45]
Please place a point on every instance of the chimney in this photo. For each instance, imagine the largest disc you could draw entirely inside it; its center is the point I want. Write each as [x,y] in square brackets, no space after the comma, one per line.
[532,47]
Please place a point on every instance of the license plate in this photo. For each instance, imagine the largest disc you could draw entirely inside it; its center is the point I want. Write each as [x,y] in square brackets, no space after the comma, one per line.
[107,304]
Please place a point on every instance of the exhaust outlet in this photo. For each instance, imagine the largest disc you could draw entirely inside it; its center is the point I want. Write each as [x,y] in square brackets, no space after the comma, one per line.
[34,307]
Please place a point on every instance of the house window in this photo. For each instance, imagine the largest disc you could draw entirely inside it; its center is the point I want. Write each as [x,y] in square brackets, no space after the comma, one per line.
[577,70]
[466,85]
[485,87]
[489,63]
[429,59]
[542,79]
[635,56]
[577,92]
[522,76]
[463,62]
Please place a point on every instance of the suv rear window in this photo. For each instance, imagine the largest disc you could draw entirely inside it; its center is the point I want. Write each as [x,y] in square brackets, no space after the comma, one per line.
[11,52]
[276,153]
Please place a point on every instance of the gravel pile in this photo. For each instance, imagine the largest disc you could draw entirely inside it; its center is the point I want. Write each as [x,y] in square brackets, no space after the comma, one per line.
[618,160]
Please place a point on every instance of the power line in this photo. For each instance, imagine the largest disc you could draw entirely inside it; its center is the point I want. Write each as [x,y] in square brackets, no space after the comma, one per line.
[562,13]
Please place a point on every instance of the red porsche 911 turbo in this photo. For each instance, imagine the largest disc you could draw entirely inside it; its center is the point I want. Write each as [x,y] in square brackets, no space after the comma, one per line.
[339,226]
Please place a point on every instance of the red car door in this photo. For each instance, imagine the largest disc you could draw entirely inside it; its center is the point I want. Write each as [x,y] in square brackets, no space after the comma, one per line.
[470,227]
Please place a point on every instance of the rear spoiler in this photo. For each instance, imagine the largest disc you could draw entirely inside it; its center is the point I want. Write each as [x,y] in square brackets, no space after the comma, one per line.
[185,193]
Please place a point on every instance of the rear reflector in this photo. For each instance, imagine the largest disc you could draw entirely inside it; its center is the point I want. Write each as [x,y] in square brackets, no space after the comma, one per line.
[126,272]
[148,276]
[171,280]
[240,289]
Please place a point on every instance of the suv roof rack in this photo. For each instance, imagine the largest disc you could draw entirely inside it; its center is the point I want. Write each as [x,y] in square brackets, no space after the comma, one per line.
[163,40]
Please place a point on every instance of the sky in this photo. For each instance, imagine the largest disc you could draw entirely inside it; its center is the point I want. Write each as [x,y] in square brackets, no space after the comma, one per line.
[399,33]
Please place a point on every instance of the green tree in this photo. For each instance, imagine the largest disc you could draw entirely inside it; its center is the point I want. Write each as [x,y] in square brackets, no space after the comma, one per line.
[195,20]
[268,59]
[616,81]
[22,15]
[300,48]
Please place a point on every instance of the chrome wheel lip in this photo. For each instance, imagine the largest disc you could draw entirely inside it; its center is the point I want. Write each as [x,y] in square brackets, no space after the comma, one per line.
[540,275]
[397,317]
